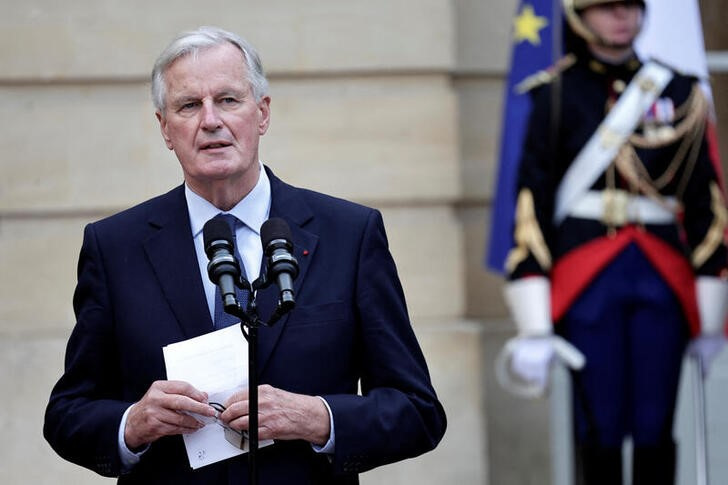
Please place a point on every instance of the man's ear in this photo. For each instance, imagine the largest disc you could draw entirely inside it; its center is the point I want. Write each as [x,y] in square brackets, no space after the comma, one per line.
[163,128]
[264,111]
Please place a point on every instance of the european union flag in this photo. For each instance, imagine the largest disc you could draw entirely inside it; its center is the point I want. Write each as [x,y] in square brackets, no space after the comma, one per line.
[536,45]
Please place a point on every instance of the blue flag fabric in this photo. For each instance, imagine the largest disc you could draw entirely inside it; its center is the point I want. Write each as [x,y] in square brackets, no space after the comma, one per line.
[534,26]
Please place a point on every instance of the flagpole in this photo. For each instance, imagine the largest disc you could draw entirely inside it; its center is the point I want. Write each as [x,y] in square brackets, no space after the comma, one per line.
[556,54]
[563,457]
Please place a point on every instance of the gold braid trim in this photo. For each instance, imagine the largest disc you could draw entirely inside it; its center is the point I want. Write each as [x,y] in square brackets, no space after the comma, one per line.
[693,113]
[631,168]
[528,235]
[689,131]
[545,76]
[714,236]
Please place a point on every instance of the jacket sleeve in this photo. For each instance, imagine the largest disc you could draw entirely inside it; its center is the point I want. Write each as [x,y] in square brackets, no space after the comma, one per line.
[83,414]
[397,415]
[536,186]
[705,216]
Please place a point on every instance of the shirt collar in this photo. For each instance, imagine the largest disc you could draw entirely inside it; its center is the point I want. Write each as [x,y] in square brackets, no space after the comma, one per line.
[253,210]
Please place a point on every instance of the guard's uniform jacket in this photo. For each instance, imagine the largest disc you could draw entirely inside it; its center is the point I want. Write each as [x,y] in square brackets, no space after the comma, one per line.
[661,192]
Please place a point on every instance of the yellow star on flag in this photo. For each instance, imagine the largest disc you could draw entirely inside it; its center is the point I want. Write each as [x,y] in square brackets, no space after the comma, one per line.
[527,25]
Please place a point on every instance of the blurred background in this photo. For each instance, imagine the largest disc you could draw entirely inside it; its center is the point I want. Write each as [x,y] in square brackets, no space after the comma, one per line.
[392,103]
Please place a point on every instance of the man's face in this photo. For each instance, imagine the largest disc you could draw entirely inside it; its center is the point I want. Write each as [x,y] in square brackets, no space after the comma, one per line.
[617,24]
[211,119]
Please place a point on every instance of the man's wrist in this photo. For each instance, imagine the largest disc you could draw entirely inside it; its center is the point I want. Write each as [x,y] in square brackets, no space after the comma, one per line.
[328,441]
[129,456]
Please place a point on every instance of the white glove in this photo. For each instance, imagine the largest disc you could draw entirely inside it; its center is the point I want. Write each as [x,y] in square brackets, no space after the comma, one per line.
[524,364]
[527,361]
[531,360]
[712,298]
[705,348]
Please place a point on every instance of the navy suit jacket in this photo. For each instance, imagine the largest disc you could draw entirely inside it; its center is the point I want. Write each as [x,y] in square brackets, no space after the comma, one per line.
[139,289]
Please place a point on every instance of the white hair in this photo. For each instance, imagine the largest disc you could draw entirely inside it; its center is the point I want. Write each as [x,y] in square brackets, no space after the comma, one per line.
[205,37]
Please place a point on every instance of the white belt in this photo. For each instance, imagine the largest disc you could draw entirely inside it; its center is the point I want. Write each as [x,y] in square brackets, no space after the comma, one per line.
[620,207]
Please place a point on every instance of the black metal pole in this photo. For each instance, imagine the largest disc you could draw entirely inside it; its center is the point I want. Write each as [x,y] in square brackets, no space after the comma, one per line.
[251,320]
[253,403]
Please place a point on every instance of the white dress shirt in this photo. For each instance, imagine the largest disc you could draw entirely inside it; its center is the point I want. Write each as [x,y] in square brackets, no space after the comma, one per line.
[252,212]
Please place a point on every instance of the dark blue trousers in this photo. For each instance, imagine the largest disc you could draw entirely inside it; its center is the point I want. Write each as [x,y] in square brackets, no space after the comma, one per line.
[631,328]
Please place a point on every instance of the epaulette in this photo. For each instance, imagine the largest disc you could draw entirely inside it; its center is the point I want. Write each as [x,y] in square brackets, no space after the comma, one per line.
[545,76]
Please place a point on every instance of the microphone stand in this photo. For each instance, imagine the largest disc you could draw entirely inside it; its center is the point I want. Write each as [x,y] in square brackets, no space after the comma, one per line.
[249,318]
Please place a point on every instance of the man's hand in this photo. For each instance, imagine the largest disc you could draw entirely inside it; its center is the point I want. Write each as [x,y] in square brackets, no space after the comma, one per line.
[163,411]
[532,358]
[282,415]
[706,348]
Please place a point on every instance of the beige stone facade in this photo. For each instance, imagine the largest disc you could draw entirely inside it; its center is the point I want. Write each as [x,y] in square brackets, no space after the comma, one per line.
[392,103]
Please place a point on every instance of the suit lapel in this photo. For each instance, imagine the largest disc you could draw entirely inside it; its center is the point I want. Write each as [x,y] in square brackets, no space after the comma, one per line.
[171,252]
[286,204]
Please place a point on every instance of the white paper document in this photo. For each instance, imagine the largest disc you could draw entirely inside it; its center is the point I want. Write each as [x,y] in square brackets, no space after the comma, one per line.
[215,363]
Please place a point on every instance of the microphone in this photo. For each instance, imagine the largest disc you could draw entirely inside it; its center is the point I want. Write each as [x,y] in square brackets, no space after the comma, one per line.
[223,268]
[282,266]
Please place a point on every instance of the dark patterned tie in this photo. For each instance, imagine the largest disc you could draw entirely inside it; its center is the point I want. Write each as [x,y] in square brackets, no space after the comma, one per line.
[223,319]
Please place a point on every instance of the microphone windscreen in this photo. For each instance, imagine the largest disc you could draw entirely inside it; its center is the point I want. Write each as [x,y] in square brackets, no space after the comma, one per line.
[274,228]
[216,229]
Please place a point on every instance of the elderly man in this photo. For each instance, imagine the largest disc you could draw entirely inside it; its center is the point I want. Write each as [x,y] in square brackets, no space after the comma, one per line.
[142,284]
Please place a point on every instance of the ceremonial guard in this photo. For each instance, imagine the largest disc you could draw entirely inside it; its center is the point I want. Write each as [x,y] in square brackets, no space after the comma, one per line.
[619,240]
